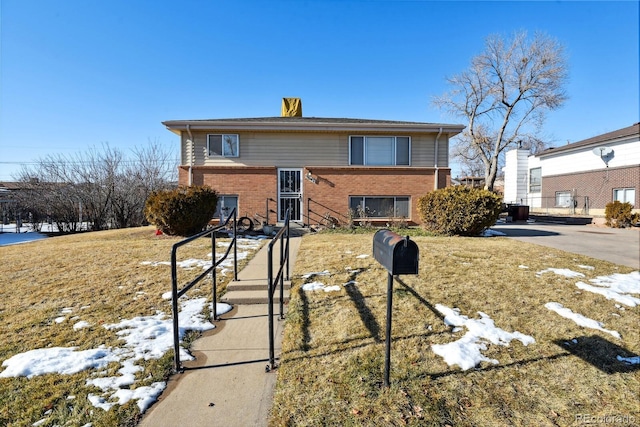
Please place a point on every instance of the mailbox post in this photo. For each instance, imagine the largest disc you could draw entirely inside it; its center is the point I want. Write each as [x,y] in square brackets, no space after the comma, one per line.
[398,255]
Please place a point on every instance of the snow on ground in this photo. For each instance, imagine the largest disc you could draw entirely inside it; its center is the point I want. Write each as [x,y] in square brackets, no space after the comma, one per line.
[561,272]
[466,351]
[579,318]
[143,337]
[492,233]
[248,244]
[616,287]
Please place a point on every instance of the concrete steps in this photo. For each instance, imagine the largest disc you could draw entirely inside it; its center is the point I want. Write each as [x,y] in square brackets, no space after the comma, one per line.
[253,291]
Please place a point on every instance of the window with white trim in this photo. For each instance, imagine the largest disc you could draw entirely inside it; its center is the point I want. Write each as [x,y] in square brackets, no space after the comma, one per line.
[625,195]
[563,199]
[223,145]
[535,180]
[380,150]
[380,206]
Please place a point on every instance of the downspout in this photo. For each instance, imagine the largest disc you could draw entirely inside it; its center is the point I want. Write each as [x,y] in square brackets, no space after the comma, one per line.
[190,154]
[437,173]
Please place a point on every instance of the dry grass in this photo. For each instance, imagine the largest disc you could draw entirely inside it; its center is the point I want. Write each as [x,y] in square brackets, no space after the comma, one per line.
[333,351]
[100,278]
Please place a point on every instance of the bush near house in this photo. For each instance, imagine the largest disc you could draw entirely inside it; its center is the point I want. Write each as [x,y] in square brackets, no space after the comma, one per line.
[459,210]
[181,212]
[619,215]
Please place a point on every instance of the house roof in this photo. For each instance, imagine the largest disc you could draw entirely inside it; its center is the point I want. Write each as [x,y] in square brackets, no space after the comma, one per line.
[596,140]
[310,124]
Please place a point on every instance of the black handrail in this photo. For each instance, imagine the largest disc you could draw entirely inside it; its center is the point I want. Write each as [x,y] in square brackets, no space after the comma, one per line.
[342,217]
[174,276]
[272,282]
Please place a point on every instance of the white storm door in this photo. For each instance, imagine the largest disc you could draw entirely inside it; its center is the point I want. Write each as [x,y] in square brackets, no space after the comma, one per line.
[290,193]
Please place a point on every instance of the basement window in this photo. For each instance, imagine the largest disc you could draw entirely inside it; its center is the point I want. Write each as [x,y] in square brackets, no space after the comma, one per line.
[222,145]
[380,207]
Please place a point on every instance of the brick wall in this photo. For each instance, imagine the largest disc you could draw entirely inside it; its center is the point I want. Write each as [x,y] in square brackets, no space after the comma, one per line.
[333,186]
[597,185]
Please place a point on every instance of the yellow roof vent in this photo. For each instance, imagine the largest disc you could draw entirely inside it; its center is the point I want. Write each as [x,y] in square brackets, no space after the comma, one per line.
[291,107]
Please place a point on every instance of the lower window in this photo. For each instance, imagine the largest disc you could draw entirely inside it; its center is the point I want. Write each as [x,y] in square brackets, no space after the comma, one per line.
[380,207]
[625,195]
[225,205]
[563,199]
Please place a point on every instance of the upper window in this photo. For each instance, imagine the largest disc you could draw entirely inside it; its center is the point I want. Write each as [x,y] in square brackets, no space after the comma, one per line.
[535,180]
[380,150]
[222,145]
[625,195]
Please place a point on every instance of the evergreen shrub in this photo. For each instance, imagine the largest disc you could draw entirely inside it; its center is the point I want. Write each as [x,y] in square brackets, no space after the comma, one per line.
[619,215]
[459,210]
[183,211]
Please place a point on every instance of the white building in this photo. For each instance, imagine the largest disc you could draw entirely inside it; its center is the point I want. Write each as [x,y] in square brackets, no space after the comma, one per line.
[578,178]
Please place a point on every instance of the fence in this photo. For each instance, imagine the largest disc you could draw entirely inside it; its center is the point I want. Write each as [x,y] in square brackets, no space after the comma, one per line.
[561,204]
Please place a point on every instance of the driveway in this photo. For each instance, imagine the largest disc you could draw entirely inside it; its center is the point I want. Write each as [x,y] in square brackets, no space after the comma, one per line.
[617,245]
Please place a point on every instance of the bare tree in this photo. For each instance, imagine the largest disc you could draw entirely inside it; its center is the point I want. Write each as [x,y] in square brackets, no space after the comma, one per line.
[504,97]
[99,187]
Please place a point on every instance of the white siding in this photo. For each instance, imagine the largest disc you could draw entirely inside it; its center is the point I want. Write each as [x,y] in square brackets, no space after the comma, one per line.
[624,154]
[534,200]
[516,175]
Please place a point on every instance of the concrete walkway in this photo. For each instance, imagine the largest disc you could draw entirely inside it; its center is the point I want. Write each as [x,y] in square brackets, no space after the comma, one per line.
[227,385]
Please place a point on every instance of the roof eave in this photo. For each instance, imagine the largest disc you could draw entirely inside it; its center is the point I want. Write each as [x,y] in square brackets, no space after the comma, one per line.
[177,126]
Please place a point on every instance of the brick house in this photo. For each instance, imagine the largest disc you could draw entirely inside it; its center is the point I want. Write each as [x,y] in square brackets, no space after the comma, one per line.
[578,178]
[315,166]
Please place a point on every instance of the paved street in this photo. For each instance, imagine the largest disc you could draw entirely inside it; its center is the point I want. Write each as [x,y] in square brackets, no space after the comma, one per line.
[620,246]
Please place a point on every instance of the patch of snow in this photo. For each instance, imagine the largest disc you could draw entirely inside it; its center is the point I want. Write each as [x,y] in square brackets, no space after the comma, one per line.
[630,360]
[313,286]
[586,267]
[523,267]
[81,324]
[616,287]
[316,273]
[578,318]
[363,256]
[492,233]
[561,272]
[466,352]
[60,319]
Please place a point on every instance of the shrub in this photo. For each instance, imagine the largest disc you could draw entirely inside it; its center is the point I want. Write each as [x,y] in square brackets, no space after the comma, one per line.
[619,215]
[459,210]
[181,212]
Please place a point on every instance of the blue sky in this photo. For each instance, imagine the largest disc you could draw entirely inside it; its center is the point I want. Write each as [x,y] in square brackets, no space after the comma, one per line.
[75,74]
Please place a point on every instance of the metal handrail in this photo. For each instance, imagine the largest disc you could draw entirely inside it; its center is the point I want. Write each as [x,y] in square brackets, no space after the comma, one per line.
[319,215]
[272,282]
[175,293]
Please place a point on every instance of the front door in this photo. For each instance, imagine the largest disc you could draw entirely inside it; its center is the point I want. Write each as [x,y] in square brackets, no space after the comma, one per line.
[290,193]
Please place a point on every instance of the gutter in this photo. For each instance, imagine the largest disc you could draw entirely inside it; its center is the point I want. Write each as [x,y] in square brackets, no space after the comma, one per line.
[437,174]
[190,154]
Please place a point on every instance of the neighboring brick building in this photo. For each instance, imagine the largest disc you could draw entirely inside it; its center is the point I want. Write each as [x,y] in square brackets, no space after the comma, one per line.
[578,178]
[315,166]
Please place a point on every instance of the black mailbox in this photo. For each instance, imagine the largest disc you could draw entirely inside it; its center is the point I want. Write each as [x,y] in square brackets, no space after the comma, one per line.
[397,254]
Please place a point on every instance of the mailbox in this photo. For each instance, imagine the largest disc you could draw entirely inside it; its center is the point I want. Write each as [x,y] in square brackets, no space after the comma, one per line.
[397,254]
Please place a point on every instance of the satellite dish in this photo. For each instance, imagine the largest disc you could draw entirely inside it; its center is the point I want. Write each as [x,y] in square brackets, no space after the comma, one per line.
[602,151]
[605,153]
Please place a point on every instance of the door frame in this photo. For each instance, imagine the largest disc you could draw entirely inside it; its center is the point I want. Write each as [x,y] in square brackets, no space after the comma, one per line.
[296,195]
